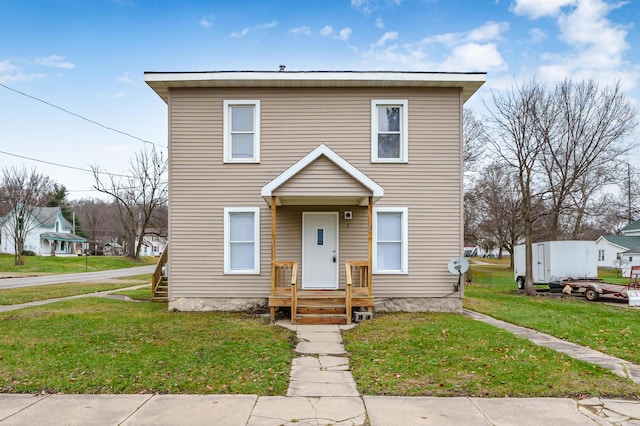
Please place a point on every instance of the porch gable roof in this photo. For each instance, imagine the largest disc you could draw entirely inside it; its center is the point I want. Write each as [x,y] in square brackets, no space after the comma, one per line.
[322,150]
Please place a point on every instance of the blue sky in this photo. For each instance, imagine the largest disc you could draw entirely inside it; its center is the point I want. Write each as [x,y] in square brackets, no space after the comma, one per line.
[88,57]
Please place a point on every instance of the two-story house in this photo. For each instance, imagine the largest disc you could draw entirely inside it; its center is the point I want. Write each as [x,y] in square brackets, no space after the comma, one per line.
[46,233]
[321,192]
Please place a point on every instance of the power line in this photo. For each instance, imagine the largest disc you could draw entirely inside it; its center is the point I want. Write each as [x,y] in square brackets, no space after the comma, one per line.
[80,116]
[62,165]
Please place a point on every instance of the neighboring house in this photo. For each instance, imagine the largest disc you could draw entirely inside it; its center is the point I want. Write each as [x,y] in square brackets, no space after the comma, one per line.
[612,248]
[50,234]
[631,258]
[112,248]
[338,176]
[153,244]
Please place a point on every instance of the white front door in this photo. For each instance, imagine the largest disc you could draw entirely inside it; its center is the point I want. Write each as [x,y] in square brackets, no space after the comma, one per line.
[541,265]
[320,250]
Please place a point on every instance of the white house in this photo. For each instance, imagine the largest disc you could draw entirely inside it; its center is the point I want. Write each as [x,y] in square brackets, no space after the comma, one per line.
[153,244]
[48,233]
[617,251]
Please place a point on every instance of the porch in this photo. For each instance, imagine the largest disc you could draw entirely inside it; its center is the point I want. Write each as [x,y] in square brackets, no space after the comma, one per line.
[321,306]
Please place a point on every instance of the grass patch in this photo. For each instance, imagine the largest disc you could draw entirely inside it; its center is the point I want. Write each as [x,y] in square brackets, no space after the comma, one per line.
[612,330]
[110,346]
[451,355]
[65,265]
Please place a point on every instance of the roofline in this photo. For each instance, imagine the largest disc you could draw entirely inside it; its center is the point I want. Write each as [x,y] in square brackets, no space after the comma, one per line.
[161,82]
[321,150]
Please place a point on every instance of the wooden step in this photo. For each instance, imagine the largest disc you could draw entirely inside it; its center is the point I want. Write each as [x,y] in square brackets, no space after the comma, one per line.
[321,319]
[321,310]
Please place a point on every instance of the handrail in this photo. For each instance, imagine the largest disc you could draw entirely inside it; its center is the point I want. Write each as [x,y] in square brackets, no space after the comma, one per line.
[157,273]
[290,268]
[348,301]
[362,280]
[294,301]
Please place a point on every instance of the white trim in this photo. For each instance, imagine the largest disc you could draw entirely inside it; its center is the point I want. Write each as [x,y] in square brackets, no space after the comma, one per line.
[337,279]
[405,240]
[363,179]
[356,77]
[226,140]
[404,130]
[256,240]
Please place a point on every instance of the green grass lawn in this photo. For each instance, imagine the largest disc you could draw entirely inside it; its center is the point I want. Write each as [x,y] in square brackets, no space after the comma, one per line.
[14,296]
[64,265]
[111,346]
[613,330]
[437,354]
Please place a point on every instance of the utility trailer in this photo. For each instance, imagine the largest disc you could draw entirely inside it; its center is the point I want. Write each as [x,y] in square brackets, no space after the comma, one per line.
[557,260]
[593,289]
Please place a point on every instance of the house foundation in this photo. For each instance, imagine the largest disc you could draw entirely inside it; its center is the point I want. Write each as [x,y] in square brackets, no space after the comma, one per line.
[236,304]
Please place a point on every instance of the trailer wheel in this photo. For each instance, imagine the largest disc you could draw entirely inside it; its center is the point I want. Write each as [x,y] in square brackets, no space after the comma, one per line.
[591,294]
[520,283]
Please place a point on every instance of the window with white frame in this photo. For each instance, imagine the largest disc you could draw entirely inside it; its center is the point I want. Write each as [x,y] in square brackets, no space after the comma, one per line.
[241,123]
[600,255]
[389,131]
[390,240]
[242,240]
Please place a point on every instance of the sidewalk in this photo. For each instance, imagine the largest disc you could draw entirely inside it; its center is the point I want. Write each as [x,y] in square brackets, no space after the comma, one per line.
[321,392]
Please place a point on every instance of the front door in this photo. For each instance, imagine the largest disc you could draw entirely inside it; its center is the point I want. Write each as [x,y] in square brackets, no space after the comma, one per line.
[320,250]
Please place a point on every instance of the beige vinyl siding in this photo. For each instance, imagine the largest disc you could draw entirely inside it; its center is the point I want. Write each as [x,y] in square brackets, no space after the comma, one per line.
[293,123]
[322,178]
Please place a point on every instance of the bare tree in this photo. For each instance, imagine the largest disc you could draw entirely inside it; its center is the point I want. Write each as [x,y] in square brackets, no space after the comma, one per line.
[98,222]
[472,139]
[136,196]
[23,192]
[587,139]
[518,130]
[500,202]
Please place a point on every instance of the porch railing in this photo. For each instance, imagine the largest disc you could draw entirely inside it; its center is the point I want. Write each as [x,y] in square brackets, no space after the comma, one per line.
[357,276]
[157,273]
[286,275]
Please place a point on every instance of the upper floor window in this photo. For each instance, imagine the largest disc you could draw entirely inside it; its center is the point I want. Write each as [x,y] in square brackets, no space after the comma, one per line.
[600,255]
[241,131]
[389,130]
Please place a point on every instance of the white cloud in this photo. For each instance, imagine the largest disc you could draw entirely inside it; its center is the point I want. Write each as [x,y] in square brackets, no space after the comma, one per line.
[487,32]
[368,6]
[379,23]
[205,22]
[597,46]
[537,35]
[304,30]
[327,30]
[535,9]
[125,79]
[267,26]
[53,61]
[474,57]
[10,73]
[344,34]
[239,34]
[388,36]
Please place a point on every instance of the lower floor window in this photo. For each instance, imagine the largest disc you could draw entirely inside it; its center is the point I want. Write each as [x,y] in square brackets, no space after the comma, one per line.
[242,240]
[390,240]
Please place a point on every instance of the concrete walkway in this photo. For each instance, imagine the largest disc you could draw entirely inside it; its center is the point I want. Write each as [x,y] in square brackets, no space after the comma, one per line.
[618,366]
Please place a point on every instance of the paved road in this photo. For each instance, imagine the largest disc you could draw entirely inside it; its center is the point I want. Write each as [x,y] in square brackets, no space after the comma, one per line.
[71,278]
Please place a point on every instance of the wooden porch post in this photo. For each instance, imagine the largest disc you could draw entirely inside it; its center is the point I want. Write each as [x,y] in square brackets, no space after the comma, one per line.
[370,249]
[273,254]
